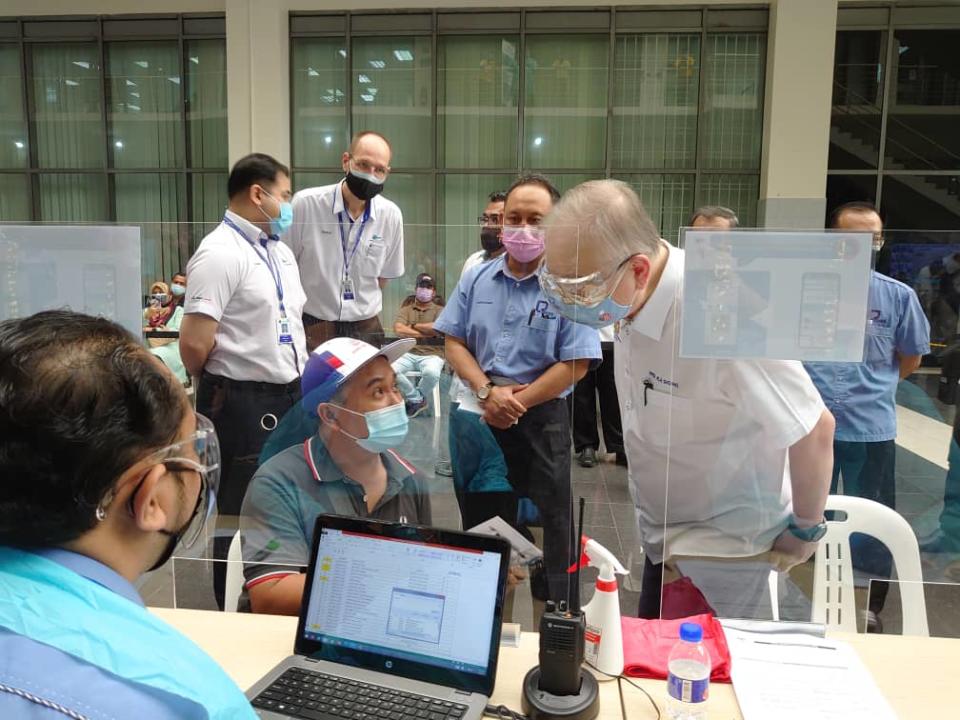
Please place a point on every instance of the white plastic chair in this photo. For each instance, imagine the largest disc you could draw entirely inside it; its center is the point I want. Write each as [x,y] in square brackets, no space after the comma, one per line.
[833,595]
[234,583]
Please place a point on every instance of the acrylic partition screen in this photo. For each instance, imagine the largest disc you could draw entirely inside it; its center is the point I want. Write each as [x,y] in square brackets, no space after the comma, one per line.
[774,294]
[93,269]
[735,449]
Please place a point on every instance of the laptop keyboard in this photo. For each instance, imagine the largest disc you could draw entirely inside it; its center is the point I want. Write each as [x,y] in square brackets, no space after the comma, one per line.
[314,695]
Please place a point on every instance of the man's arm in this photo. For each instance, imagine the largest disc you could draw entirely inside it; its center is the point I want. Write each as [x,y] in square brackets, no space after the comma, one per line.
[425,329]
[463,362]
[501,408]
[557,378]
[406,331]
[908,364]
[382,282]
[197,338]
[280,596]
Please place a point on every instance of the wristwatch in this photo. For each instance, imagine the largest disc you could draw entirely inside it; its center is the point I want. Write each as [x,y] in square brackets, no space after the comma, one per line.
[484,392]
[814,533]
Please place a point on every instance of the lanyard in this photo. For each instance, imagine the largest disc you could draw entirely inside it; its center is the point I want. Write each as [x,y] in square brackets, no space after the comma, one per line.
[273,267]
[348,257]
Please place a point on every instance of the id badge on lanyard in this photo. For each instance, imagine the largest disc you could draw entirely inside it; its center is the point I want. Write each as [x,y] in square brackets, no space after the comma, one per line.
[347,290]
[348,293]
[284,333]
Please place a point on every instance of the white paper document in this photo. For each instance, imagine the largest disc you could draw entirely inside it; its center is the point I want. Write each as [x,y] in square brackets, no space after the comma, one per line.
[796,677]
[468,401]
[524,551]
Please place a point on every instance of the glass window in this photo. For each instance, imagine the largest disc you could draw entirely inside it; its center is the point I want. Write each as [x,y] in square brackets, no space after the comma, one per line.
[73,197]
[462,199]
[13,131]
[14,198]
[925,110]
[303,180]
[393,95]
[668,199]
[143,79]
[478,82]
[857,100]
[206,94]
[656,81]
[847,188]
[208,197]
[320,133]
[565,115]
[155,201]
[930,202]
[737,192]
[67,108]
[733,101]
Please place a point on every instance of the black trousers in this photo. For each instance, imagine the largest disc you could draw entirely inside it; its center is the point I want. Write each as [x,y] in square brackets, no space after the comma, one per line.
[599,381]
[537,452]
[244,414]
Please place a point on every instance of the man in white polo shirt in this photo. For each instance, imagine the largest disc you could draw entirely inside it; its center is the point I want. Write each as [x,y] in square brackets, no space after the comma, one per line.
[348,241]
[713,435]
[242,337]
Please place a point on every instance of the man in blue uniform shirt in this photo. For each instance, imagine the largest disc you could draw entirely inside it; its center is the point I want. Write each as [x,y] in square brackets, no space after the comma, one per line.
[861,396]
[520,360]
[105,469]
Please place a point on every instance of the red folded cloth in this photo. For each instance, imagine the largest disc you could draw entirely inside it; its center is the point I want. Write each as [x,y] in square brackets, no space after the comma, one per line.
[647,645]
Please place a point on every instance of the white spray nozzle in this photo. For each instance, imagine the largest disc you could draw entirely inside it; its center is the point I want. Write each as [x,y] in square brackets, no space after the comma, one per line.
[599,557]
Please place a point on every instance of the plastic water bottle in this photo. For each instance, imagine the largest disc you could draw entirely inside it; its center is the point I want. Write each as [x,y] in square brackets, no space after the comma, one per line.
[688,681]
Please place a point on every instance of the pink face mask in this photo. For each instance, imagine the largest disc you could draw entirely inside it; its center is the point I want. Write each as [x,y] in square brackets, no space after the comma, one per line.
[524,243]
[424,295]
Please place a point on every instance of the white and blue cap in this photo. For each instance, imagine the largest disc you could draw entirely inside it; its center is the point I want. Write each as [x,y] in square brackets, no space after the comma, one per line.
[334,362]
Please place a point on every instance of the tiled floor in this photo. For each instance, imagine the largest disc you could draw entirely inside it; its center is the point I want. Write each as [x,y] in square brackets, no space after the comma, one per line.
[610,515]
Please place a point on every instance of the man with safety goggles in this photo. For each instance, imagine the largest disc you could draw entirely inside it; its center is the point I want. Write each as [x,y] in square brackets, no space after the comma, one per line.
[106,471]
[348,242]
[714,433]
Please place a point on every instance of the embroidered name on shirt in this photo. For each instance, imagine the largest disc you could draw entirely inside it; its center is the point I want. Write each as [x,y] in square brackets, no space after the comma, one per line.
[663,381]
[877,319]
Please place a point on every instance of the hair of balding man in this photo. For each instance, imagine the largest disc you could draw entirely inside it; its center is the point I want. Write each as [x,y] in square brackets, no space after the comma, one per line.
[357,137]
[609,211]
[856,206]
[711,212]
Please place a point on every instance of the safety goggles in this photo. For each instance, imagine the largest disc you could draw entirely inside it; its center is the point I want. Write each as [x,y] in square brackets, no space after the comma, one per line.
[200,453]
[587,290]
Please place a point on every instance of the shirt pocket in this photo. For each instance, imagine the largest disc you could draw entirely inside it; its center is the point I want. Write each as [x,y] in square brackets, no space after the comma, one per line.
[879,342]
[536,342]
[372,255]
[666,419]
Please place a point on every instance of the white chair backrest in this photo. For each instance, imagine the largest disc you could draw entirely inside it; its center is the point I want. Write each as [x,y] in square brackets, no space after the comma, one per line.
[833,595]
[234,584]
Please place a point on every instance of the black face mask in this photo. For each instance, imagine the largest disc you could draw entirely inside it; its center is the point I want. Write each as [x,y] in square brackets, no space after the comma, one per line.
[490,239]
[363,188]
[174,539]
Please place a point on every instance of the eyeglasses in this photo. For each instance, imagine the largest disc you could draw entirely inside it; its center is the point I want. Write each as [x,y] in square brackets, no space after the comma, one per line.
[586,291]
[370,168]
[490,220]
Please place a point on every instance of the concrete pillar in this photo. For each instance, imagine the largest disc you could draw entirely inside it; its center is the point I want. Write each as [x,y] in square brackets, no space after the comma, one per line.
[796,128]
[258,79]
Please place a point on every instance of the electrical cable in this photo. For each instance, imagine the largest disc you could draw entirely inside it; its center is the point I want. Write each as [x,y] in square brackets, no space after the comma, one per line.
[503,713]
[620,687]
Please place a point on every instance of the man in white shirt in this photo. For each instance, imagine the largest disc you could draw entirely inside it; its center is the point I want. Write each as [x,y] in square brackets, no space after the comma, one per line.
[348,241]
[491,232]
[242,336]
[707,441]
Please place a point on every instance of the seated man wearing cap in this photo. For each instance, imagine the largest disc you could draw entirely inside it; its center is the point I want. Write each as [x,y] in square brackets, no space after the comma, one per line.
[348,467]
[415,320]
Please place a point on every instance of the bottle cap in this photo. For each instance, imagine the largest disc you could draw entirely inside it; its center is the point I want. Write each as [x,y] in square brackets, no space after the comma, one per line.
[691,632]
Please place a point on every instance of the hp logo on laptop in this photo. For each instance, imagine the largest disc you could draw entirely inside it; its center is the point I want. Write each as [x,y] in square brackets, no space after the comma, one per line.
[388,664]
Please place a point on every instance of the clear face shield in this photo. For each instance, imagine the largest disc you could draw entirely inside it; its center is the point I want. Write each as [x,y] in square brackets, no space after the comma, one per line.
[200,452]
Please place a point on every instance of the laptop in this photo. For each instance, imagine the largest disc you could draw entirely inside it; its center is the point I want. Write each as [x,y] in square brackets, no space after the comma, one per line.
[397,621]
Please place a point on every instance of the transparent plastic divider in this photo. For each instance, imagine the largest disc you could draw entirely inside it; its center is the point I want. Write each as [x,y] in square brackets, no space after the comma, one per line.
[929,608]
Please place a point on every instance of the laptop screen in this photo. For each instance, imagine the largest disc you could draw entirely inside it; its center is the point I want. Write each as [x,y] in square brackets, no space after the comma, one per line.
[411,597]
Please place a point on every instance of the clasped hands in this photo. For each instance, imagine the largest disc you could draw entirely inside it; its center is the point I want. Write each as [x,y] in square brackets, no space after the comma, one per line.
[502,409]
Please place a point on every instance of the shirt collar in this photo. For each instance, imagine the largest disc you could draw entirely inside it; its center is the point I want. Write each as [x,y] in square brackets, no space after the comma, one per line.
[325,470]
[339,206]
[653,315]
[93,570]
[250,231]
[502,269]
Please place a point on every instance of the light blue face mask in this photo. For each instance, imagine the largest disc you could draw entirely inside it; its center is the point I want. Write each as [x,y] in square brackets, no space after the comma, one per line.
[386,428]
[607,312]
[281,224]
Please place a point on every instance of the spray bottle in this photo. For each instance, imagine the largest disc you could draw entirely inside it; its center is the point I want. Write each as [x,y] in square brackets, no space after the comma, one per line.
[604,634]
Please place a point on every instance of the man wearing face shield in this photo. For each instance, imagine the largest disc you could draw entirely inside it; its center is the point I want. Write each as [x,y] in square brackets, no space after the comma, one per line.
[348,240]
[105,469]
[714,434]
[349,467]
